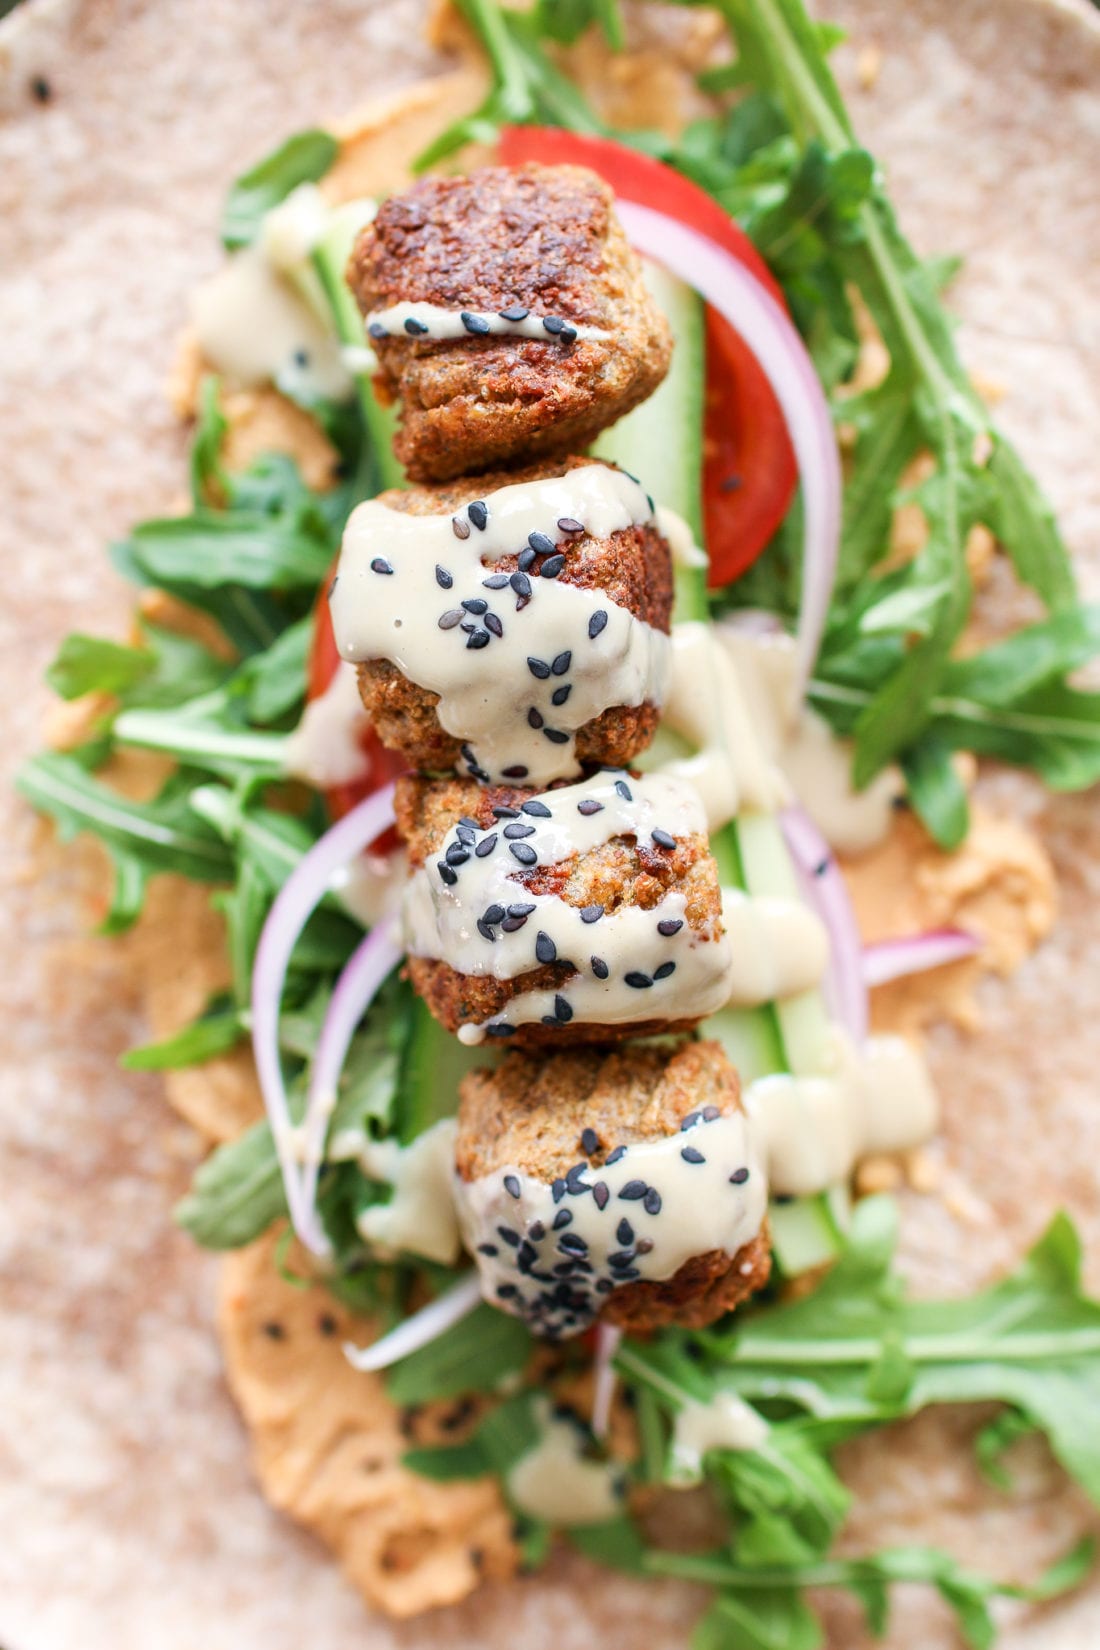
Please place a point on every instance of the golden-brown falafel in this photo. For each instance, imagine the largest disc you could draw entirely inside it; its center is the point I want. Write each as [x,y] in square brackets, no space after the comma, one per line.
[539,241]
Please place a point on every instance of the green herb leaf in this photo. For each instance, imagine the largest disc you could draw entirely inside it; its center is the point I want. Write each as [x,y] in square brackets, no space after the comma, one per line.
[217,1030]
[91,664]
[236,1194]
[508,1431]
[474,1355]
[303,158]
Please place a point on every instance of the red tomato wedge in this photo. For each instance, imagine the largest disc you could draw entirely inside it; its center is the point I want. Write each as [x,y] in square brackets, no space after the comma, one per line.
[749,469]
[384,764]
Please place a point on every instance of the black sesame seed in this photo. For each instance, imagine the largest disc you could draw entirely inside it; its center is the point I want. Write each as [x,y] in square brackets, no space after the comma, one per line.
[486,846]
[568,335]
[553,324]
[524,559]
[380,565]
[377,330]
[620,1151]
[487,1249]
[514,312]
[621,1258]
[501,1028]
[466,833]
[538,668]
[624,1233]
[520,583]
[511,1185]
[604,1285]
[561,663]
[710,1113]
[493,624]
[541,543]
[628,1273]
[516,833]
[524,853]
[537,810]
[534,718]
[689,1121]
[448,620]
[652,1201]
[557,1191]
[551,567]
[470,822]
[480,638]
[573,1244]
[589,806]
[495,581]
[601,971]
[457,854]
[643,1246]
[569,524]
[560,695]
[460,528]
[516,771]
[545,949]
[469,627]
[739,1177]
[520,910]
[563,1217]
[662,838]
[637,980]
[446,874]
[474,323]
[506,1291]
[526,1256]
[601,1194]
[477,605]
[670,926]
[478,513]
[590,1141]
[574,1180]
[562,1010]
[536,1231]
[664,971]
[501,812]
[444,579]
[596,623]
[691,1154]
[624,790]
[591,913]
[493,914]
[485,931]
[555,736]
[633,1191]
[414,328]
[510,1237]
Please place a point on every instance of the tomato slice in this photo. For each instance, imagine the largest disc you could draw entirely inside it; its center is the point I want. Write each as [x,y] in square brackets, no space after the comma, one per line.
[749,468]
[384,764]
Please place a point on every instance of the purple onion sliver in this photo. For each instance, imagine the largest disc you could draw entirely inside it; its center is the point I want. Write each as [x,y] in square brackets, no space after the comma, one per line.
[843,988]
[297,899]
[424,1326]
[768,332]
[895,959]
[608,1340]
[373,960]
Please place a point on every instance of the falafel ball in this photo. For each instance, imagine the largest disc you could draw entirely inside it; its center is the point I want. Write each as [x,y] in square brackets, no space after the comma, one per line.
[587,913]
[509,316]
[620,1185]
[631,567]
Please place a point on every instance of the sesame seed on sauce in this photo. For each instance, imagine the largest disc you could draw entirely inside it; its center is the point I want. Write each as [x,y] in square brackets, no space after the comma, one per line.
[601,1194]
[380,565]
[500,1028]
[601,971]
[573,1243]
[651,1203]
[520,910]
[525,558]
[623,789]
[568,335]
[537,810]
[596,623]
[739,1177]
[489,1249]
[377,330]
[664,971]
[475,324]
[556,736]
[588,805]
[590,1141]
[633,1191]
[541,543]
[524,853]
[575,1181]
[539,669]
[624,1233]
[512,925]
[460,528]
[534,718]
[415,328]
[561,663]
[637,980]
[457,854]
[493,914]
[485,931]
[557,1190]
[691,1154]
[516,833]
[560,695]
[670,926]
[562,1010]
[514,312]
[493,624]
[536,1231]
[563,1217]
[663,839]
[591,913]
[502,812]
[620,1151]
[643,1246]
[446,874]
[512,1187]
[570,525]
[516,771]
[466,834]
[545,949]
[553,324]
[551,567]
[480,638]
[478,513]
[495,581]
[520,583]
[711,1114]
[476,605]
[485,847]
[690,1121]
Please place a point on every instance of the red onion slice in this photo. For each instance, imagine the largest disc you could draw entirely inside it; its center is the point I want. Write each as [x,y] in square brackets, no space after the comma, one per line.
[895,959]
[754,314]
[424,1326]
[608,1341]
[297,899]
[373,961]
[843,988]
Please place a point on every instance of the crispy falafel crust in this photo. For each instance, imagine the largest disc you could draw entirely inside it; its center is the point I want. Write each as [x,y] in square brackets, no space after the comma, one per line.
[528,1113]
[546,238]
[618,873]
[634,570]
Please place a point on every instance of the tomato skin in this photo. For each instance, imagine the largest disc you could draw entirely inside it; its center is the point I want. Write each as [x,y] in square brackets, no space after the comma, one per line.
[745,435]
[384,764]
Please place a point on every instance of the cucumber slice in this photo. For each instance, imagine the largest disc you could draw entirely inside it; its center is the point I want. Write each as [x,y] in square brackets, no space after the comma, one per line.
[805,1233]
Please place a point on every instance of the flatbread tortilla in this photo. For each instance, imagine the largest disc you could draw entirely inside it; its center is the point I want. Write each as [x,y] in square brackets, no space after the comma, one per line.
[124,1458]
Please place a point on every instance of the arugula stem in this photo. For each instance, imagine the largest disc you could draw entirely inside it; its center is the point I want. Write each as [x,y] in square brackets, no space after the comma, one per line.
[628,1363]
[1061,1345]
[485,18]
[179,736]
[968,710]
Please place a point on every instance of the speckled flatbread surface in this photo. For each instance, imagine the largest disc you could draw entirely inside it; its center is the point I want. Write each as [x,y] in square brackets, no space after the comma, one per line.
[130,1512]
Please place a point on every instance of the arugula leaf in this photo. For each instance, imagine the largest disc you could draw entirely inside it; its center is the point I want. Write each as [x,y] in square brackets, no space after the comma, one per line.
[211,548]
[303,158]
[936,792]
[508,1431]
[217,1029]
[474,1355]
[237,1192]
[91,664]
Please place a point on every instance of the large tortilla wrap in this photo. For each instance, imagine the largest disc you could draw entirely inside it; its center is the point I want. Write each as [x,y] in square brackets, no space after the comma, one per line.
[130,1513]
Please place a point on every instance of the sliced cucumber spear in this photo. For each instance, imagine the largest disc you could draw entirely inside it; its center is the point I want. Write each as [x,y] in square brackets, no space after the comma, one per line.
[662,443]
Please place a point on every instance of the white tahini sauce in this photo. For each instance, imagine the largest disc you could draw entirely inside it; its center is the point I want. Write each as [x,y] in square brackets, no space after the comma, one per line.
[420,1218]
[420,320]
[325,748]
[778,947]
[815,762]
[811,1132]
[555,1482]
[468,907]
[370,886]
[552,1253]
[519,662]
[725,1422]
